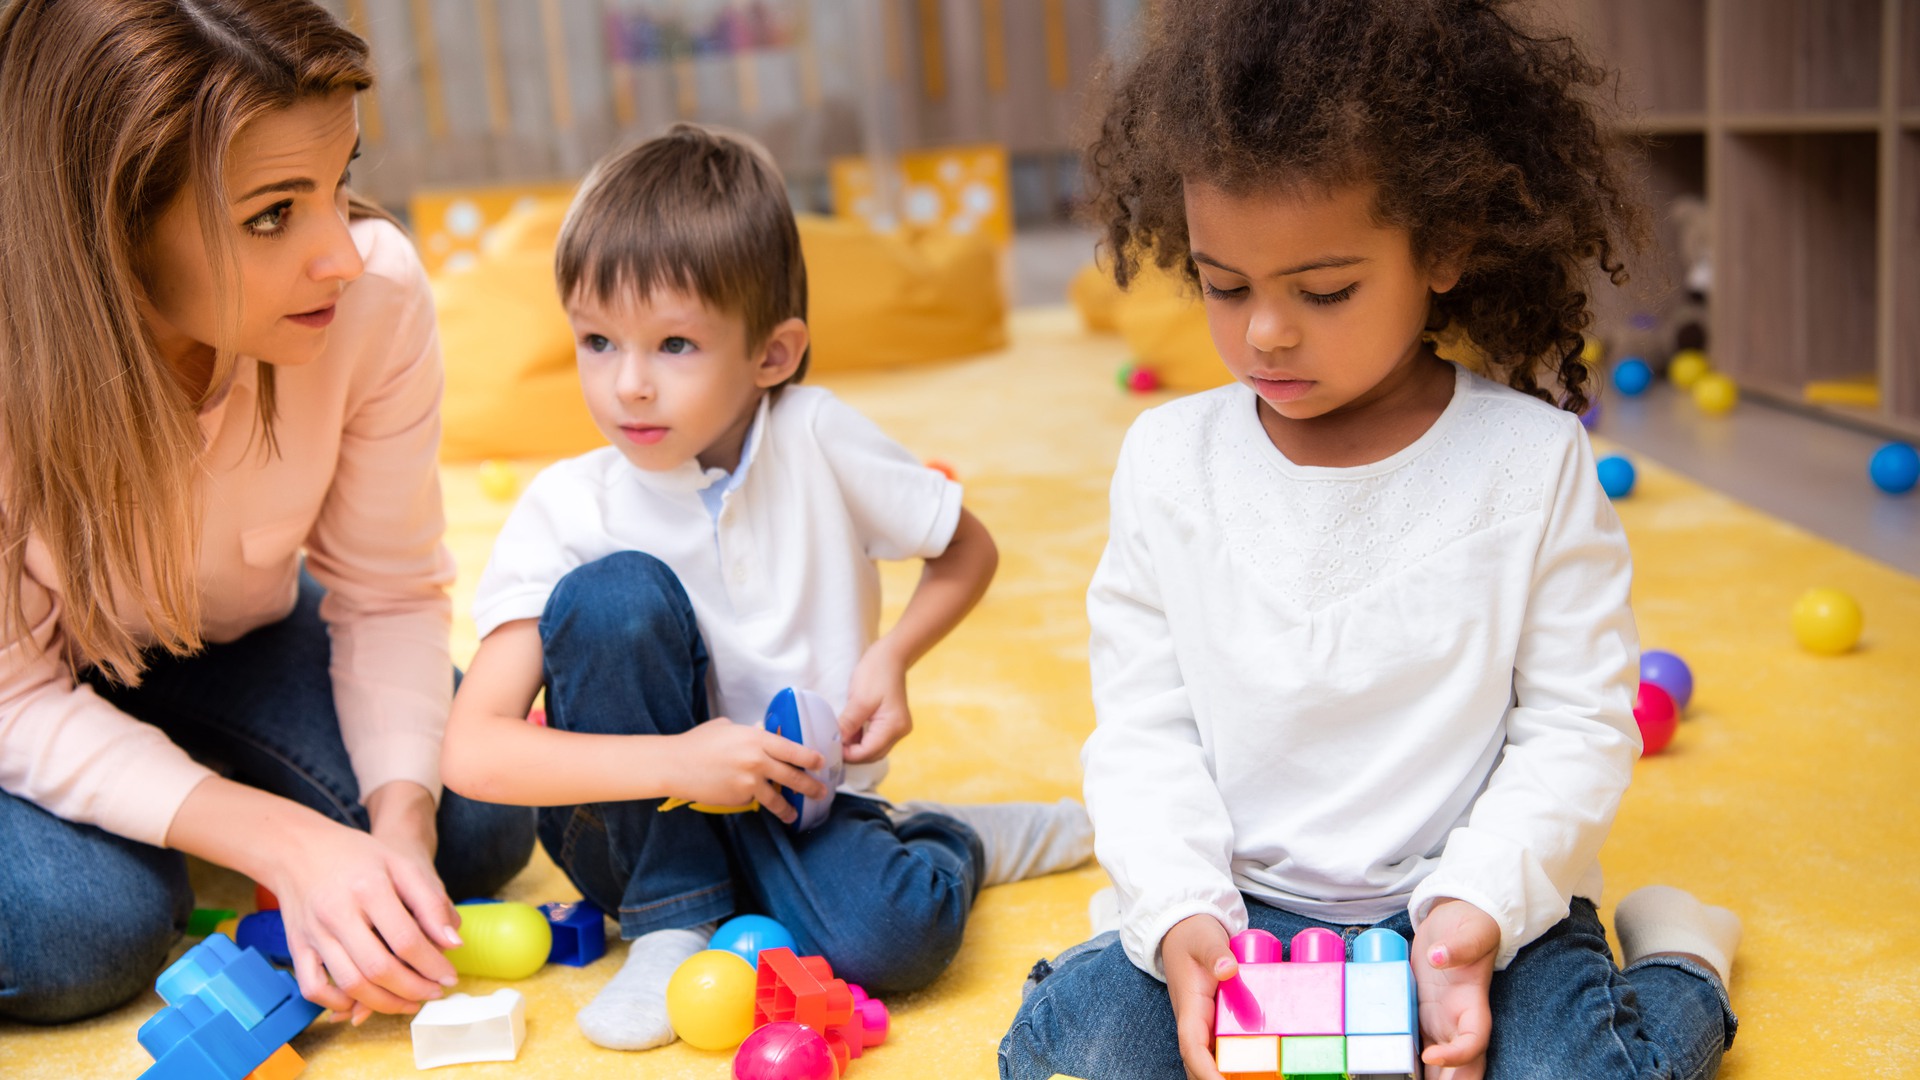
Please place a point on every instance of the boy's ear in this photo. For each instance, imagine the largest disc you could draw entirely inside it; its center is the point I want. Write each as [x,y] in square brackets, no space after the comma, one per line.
[786,346]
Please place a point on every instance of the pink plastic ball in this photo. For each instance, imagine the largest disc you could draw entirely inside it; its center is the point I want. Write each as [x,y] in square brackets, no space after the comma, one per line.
[784,1050]
[1654,711]
[1142,380]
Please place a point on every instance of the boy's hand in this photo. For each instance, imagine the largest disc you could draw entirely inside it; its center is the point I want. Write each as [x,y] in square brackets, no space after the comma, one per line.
[1196,956]
[1452,969]
[729,764]
[876,715]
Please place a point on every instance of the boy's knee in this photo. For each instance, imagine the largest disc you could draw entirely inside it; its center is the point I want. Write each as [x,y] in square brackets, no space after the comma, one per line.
[898,959]
[626,596]
[85,959]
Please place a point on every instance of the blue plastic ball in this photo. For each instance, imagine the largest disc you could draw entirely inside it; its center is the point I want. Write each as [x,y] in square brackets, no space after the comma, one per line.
[1616,475]
[1669,673]
[1895,468]
[746,935]
[1632,376]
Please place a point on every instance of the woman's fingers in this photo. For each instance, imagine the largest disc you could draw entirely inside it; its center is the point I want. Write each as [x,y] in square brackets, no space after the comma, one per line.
[433,911]
[402,932]
[312,977]
[363,966]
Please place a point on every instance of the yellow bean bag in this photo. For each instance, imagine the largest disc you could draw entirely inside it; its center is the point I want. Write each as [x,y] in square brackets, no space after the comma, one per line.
[1160,317]
[875,301]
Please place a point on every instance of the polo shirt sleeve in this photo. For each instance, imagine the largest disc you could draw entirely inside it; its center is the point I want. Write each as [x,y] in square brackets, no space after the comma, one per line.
[532,552]
[900,508]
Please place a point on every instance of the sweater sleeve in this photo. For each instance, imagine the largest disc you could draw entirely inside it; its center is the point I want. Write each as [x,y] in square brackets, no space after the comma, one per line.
[378,546]
[1571,738]
[1161,827]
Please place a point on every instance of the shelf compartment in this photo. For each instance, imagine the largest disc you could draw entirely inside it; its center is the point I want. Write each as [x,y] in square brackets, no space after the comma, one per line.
[1659,48]
[1801,55]
[1900,382]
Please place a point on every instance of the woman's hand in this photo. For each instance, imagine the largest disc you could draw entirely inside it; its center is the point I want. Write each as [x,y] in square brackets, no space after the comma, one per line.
[1453,954]
[876,715]
[1196,956]
[728,764]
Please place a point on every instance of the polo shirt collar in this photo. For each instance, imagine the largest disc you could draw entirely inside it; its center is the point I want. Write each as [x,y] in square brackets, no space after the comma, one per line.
[690,477]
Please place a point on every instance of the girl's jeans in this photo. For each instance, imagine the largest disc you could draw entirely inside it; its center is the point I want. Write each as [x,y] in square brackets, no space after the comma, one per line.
[884,901]
[1561,1011]
[87,918]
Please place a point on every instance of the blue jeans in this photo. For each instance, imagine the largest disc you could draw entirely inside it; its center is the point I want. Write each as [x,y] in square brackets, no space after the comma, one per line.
[885,902]
[89,917]
[1561,1010]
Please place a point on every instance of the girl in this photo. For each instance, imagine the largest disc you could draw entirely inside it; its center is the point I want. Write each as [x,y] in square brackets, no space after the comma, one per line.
[1361,646]
[213,358]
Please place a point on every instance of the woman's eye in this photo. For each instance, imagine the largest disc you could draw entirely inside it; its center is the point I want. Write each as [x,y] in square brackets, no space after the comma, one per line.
[675,346]
[1222,294]
[269,222]
[1329,298]
[597,343]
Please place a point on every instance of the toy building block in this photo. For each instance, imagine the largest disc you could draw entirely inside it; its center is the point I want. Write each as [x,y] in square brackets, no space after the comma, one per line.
[1382,1038]
[206,921]
[228,1011]
[1313,1055]
[282,1064]
[804,990]
[1247,1057]
[1301,996]
[579,932]
[461,1028]
[872,1013]
[264,900]
[266,931]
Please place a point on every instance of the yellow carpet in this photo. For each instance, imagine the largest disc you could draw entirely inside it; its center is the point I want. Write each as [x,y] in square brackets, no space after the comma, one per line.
[1788,795]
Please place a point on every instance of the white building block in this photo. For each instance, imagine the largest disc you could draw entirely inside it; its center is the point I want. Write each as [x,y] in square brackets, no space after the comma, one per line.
[461,1028]
[1247,1054]
[1380,999]
[1383,1055]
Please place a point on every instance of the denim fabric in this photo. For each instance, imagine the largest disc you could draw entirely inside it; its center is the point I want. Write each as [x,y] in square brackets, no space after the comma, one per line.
[886,902]
[90,917]
[1560,1010]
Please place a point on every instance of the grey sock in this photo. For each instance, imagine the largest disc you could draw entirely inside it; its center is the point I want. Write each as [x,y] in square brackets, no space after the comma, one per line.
[1661,918]
[630,1012]
[1022,839]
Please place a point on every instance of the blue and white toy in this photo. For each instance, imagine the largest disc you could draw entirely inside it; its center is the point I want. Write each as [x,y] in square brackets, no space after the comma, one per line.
[805,717]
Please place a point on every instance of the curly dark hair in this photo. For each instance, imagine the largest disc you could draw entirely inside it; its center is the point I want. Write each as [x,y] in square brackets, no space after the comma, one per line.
[1483,138]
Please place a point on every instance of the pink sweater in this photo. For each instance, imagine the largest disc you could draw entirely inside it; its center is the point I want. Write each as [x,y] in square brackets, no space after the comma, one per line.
[355,485]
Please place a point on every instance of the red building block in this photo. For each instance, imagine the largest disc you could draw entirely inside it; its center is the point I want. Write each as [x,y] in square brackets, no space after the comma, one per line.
[804,990]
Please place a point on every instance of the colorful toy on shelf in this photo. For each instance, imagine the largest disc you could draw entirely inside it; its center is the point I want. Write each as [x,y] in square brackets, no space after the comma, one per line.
[806,718]
[711,1000]
[746,935]
[785,1050]
[804,990]
[266,931]
[1315,1013]
[1895,468]
[579,930]
[461,1029]
[1653,710]
[502,940]
[1138,378]
[1617,475]
[1827,621]
[1670,673]
[1632,376]
[228,1012]
[1715,394]
[498,480]
[1687,367]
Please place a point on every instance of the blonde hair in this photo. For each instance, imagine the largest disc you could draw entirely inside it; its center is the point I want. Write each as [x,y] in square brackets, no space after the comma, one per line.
[114,107]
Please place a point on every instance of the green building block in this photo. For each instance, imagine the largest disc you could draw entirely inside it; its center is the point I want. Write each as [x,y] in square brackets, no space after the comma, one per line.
[1305,1056]
[205,921]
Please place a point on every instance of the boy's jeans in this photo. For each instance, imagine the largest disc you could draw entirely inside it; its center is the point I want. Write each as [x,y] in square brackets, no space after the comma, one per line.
[885,902]
[1561,1011]
[87,918]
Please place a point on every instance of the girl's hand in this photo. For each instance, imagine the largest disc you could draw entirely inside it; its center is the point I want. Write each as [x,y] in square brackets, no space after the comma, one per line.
[876,715]
[1452,970]
[1196,957]
[365,920]
[729,764]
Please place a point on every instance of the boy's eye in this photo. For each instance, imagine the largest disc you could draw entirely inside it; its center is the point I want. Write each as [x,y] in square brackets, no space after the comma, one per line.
[270,222]
[1329,298]
[1221,294]
[596,343]
[675,346]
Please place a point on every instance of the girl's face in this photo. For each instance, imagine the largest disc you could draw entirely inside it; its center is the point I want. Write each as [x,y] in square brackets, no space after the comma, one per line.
[1311,302]
[286,213]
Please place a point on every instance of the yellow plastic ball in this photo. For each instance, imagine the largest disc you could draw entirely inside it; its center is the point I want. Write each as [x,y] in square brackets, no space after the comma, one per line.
[498,480]
[1687,367]
[710,1000]
[1827,621]
[1592,351]
[1715,394]
[502,941]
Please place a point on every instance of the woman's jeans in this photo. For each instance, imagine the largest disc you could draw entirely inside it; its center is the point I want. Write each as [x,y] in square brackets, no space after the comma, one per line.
[87,918]
[884,901]
[1561,1011]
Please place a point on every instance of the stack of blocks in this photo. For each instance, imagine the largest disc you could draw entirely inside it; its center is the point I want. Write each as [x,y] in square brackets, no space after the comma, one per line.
[1314,1014]
[229,1015]
[804,990]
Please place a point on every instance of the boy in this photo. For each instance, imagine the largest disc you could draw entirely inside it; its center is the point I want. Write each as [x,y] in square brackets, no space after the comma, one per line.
[719,550]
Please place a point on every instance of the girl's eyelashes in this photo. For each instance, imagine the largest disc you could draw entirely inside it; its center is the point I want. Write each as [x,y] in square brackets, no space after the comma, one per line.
[1221,294]
[1330,298]
[270,222]
[676,346]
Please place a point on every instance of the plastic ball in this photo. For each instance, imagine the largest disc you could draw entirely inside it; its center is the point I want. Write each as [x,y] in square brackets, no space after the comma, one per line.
[1687,367]
[1617,476]
[746,935]
[498,480]
[1591,350]
[1632,376]
[943,468]
[1669,673]
[1895,468]
[1653,710]
[1142,380]
[1827,621]
[502,940]
[1123,376]
[784,1050]
[710,1000]
[1715,394]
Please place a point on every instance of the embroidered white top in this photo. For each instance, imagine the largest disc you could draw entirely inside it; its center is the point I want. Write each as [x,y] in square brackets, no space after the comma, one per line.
[1345,691]
[782,577]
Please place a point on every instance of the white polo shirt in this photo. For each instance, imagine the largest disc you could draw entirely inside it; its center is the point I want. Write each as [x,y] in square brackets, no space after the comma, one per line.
[782,577]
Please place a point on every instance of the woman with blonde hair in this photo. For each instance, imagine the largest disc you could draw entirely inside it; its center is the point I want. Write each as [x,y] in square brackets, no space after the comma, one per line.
[215,359]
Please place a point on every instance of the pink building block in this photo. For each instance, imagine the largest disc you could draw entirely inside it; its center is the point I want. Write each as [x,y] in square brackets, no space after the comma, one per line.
[1301,996]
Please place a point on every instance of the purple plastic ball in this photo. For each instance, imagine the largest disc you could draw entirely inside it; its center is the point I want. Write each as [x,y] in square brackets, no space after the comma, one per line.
[1669,673]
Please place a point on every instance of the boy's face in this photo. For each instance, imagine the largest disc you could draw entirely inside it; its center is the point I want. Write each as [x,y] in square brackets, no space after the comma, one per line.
[669,379]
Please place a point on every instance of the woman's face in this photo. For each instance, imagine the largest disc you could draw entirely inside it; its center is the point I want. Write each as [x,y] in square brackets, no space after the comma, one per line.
[286,213]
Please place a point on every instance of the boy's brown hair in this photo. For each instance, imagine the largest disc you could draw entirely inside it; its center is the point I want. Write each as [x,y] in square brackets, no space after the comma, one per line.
[694,210]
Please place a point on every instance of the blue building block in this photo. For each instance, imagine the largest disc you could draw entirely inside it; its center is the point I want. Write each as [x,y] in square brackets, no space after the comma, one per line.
[266,931]
[579,932]
[227,1011]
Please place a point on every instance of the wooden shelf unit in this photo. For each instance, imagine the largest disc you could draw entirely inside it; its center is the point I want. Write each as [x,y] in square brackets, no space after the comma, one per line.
[1799,122]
